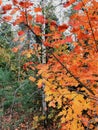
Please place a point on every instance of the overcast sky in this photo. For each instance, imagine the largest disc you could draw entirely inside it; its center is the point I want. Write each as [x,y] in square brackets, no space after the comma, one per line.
[59,10]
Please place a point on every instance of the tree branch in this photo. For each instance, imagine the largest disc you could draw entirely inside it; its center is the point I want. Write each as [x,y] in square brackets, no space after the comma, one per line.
[73,75]
[89,22]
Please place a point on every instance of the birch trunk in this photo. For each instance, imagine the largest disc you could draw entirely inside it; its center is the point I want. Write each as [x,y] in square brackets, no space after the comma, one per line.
[44,105]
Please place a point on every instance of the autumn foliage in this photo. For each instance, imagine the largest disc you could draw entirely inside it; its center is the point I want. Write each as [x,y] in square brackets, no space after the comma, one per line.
[70,75]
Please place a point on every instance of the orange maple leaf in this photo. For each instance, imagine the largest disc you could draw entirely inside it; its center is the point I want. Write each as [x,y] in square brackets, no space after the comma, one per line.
[19,20]
[40,19]
[78,6]
[46,43]
[14,11]
[32,79]
[36,29]
[15,49]
[53,25]
[7,18]
[37,9]
[29,17]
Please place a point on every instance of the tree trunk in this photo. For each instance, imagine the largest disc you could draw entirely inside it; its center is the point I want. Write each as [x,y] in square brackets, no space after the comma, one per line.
[43,59]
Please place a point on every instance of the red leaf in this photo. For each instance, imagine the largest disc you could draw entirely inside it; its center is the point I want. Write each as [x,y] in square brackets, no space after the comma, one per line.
[62,28]
[53,23]
[26,4]
[15,2]
[78,6]
[68,39]
[78,49]
[68,3]
[20,33]
[46,43]
[40,19]
[16,22]
[7,7]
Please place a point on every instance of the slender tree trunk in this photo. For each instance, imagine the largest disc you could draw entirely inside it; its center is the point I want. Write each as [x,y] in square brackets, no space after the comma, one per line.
[43,48]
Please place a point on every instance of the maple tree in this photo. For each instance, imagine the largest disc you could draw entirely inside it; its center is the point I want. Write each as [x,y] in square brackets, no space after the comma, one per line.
[70,76]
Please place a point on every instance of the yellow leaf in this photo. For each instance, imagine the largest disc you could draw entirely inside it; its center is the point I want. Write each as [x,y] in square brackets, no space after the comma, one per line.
[42,117]
[28,55]
[32,79]
[63,119]
[22,38]
[48,98]
[35,118]
[40,83]
[63,112]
